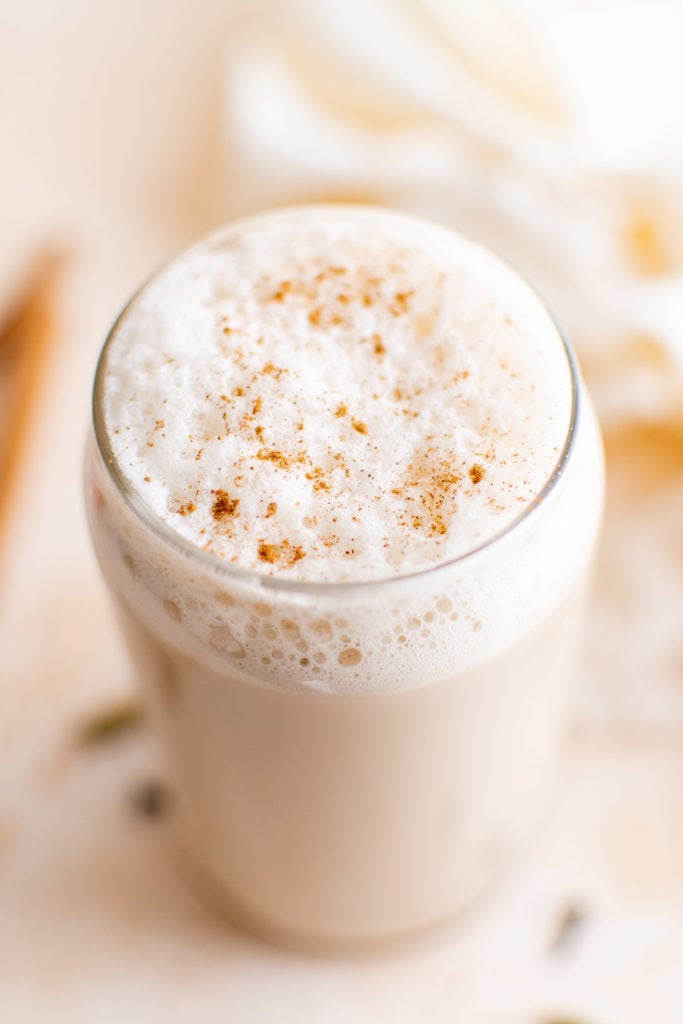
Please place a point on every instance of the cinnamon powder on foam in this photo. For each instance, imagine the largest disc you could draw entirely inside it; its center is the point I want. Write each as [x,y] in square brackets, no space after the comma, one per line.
[342,395]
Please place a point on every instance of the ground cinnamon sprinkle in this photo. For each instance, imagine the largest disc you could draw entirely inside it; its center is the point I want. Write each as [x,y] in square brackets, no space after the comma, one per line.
[438,525]
[285,551]
[268,552]
[278,458]
[316,475]
[323,275]
[223,505]
[297,553]
[476,473]
[187,508]
[284,290]
[275,371]
[400,303]
[446,479]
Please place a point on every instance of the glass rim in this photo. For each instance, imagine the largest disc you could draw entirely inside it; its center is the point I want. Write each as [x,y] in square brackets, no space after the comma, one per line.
[219,567]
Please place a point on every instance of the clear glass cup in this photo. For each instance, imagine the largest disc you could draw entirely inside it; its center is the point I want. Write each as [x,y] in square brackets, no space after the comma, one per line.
[334,817]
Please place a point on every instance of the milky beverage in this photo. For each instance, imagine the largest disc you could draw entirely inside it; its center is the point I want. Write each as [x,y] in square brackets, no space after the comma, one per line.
[345,488]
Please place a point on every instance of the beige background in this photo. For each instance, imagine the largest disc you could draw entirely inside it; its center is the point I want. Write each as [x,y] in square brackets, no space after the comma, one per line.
[118,142]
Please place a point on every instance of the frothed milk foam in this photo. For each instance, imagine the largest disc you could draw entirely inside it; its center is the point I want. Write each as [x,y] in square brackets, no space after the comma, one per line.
[327,398]
[297,414]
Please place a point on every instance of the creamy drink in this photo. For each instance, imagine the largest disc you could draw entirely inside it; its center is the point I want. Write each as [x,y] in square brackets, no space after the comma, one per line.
[345,487]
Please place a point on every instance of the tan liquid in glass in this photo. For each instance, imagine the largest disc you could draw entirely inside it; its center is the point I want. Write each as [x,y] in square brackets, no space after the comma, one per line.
[362,693]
